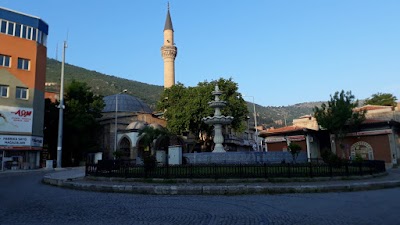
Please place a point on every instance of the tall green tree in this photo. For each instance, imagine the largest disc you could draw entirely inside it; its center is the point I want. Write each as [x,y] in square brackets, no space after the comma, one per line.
[184,107]
[385,99]
[338,116]
[50,131]
[294,150]
[80,133]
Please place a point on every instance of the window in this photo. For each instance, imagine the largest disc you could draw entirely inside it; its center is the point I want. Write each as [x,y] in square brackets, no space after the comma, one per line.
[23,31]
[10,28]
[3,91]
[34,34]
[23,64]
[5,60]
[39,37]
[18,30]
[3,26]
[44,39]
[29,35]
[21,93]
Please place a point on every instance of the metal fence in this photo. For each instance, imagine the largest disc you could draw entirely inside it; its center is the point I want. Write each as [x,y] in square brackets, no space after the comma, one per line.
[114,168]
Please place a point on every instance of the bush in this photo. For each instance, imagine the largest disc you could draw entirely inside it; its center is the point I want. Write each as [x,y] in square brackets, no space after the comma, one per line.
[330,158]
[294,149]
[335,160]
[358,158]
[118,154]
[150,162]
[325,153]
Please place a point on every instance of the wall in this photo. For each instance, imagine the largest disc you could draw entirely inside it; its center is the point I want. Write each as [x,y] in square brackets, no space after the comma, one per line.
[280,146]
[33,79]
[243,157]
[379,143]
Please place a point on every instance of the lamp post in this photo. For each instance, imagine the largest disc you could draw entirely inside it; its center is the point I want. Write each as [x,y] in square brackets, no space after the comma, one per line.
[61,112]
[116,120]
[255,122]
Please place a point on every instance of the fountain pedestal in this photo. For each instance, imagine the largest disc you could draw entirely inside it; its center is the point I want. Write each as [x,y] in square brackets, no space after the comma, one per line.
[217,120]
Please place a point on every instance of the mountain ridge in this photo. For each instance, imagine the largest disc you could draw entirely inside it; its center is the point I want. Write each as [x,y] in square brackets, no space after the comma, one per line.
[103,84]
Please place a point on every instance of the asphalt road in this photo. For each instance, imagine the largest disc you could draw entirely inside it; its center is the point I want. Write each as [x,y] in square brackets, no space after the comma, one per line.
[25,200]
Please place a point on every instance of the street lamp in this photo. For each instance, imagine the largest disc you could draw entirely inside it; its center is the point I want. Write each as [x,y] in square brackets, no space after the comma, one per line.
[116,119]
[255,122]
[61,112]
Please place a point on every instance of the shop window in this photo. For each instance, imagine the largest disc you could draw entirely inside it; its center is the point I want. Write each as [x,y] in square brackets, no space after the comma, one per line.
[21,93]
[4,91]
[23,64]
[5,60]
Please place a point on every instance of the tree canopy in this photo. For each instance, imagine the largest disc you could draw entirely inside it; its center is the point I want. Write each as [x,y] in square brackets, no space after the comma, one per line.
[82,108]
[184,107]
[294,149]
[385,99]
[338,116]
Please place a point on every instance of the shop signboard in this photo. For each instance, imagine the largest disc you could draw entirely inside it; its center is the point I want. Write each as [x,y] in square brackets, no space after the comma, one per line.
[274,139]
[16,119]
[15,140]
[296,138]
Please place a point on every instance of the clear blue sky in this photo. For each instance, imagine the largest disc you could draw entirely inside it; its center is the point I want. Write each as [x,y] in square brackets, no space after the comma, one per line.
[281,52]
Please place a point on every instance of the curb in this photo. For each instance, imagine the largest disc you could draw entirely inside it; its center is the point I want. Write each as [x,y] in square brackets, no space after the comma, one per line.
[217,189]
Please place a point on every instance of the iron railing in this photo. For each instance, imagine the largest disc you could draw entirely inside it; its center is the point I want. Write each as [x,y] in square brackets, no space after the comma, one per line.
[116,168]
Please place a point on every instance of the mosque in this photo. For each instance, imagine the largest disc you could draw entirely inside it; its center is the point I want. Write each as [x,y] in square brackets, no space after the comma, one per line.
[124,115]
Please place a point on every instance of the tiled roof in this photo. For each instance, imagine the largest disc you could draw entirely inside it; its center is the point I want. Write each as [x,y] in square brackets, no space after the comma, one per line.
[370,121]
[287,129]
[371,107]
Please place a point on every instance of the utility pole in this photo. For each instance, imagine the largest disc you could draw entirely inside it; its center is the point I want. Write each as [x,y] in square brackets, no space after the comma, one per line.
[115,120]
[61,112]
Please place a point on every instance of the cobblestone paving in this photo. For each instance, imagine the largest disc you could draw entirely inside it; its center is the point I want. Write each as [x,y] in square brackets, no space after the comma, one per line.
[24,200]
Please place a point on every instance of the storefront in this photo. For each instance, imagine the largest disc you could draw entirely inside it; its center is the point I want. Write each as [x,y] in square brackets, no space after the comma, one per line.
[20,152]
[21,140]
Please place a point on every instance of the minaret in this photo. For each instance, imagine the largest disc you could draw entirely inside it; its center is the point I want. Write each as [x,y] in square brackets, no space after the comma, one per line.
[168,52]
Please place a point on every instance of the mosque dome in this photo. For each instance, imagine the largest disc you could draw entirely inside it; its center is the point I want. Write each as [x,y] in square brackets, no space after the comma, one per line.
[137,125]
[126,103]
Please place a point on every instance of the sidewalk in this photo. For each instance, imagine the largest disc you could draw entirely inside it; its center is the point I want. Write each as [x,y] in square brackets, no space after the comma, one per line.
[74,178]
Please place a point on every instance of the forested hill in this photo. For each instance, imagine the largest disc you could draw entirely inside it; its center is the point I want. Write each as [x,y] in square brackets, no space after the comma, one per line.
[103,84]
[275,116]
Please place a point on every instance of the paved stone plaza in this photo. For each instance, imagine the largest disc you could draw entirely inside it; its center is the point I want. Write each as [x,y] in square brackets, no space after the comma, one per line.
[25,200]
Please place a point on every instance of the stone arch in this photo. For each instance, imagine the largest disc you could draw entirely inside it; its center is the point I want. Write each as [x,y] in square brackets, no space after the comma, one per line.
[125,146]
[363,149]
[142,150]
[161,143]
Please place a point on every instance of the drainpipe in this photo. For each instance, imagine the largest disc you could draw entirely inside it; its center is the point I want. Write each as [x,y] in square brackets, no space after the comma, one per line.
[393,148]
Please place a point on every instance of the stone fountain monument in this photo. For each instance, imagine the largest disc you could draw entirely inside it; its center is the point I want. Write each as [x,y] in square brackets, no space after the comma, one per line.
[217,120]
